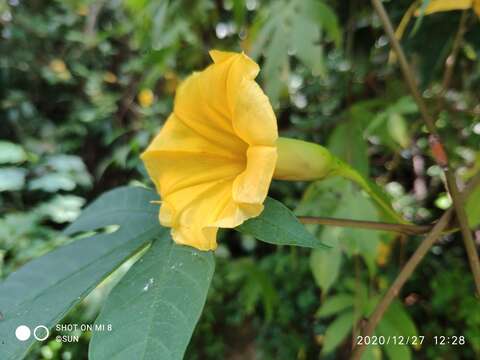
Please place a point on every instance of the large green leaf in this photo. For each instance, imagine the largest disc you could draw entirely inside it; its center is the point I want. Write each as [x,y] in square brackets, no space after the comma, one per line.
[155,307]
[123,206]
[278,225]
[43,291]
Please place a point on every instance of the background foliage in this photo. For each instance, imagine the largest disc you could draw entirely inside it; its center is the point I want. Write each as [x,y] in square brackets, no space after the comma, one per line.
[85,84]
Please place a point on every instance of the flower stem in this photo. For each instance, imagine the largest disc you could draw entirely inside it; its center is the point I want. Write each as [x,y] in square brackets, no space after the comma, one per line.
[409,268]
[344,170]
[452,58]
[305,161]
[404,275]
[373,225]
[436,144]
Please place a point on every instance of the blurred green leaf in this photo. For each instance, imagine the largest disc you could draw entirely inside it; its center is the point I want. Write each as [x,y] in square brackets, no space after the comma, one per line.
[275,64]
[396,322]
[397,127]
[323,15]
[397,316]
[158,34]
[337,331]
[325,265]
[239,12]
[60,172]
[390,124]
[256,286]
[306,39]
[354,205]
[293,28]
[63,208]
[347,143]
[11,153]
[12,178]
[52,183]
[335,304]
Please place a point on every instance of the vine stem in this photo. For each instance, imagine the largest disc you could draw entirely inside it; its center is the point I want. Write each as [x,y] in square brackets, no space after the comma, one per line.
[404,275]
[436,145]
[373,225]
[452,58]
[408,269]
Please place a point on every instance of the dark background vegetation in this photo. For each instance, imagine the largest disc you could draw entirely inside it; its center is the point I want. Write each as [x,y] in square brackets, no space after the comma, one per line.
[84,85]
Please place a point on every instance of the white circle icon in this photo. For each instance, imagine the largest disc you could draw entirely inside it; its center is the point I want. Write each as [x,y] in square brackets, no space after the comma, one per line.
[40,337]
[22,333]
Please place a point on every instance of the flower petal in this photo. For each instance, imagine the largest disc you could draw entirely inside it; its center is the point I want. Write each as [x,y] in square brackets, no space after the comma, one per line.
[219,56]
[235,214]
[203,239]
[476,7]
[447,5]
[253,118]
[179,137]
[173,171]
[197,210]
[251,187]
[201,102]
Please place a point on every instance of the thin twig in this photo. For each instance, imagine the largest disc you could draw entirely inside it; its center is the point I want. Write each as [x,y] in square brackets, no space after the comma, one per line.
[406,272]
[436,144]
[404,65]
[469,242]
[373,225]
[452,58]
[408,269]
[91,23]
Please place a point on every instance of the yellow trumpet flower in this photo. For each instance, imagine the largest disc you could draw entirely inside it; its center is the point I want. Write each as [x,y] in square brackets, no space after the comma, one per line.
[448,5]
[214,159]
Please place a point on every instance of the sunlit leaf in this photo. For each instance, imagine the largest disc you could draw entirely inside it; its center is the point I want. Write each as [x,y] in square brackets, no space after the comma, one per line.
[11,153]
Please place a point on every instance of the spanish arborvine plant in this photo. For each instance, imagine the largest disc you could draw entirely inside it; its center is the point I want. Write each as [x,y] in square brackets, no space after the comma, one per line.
[209,172]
